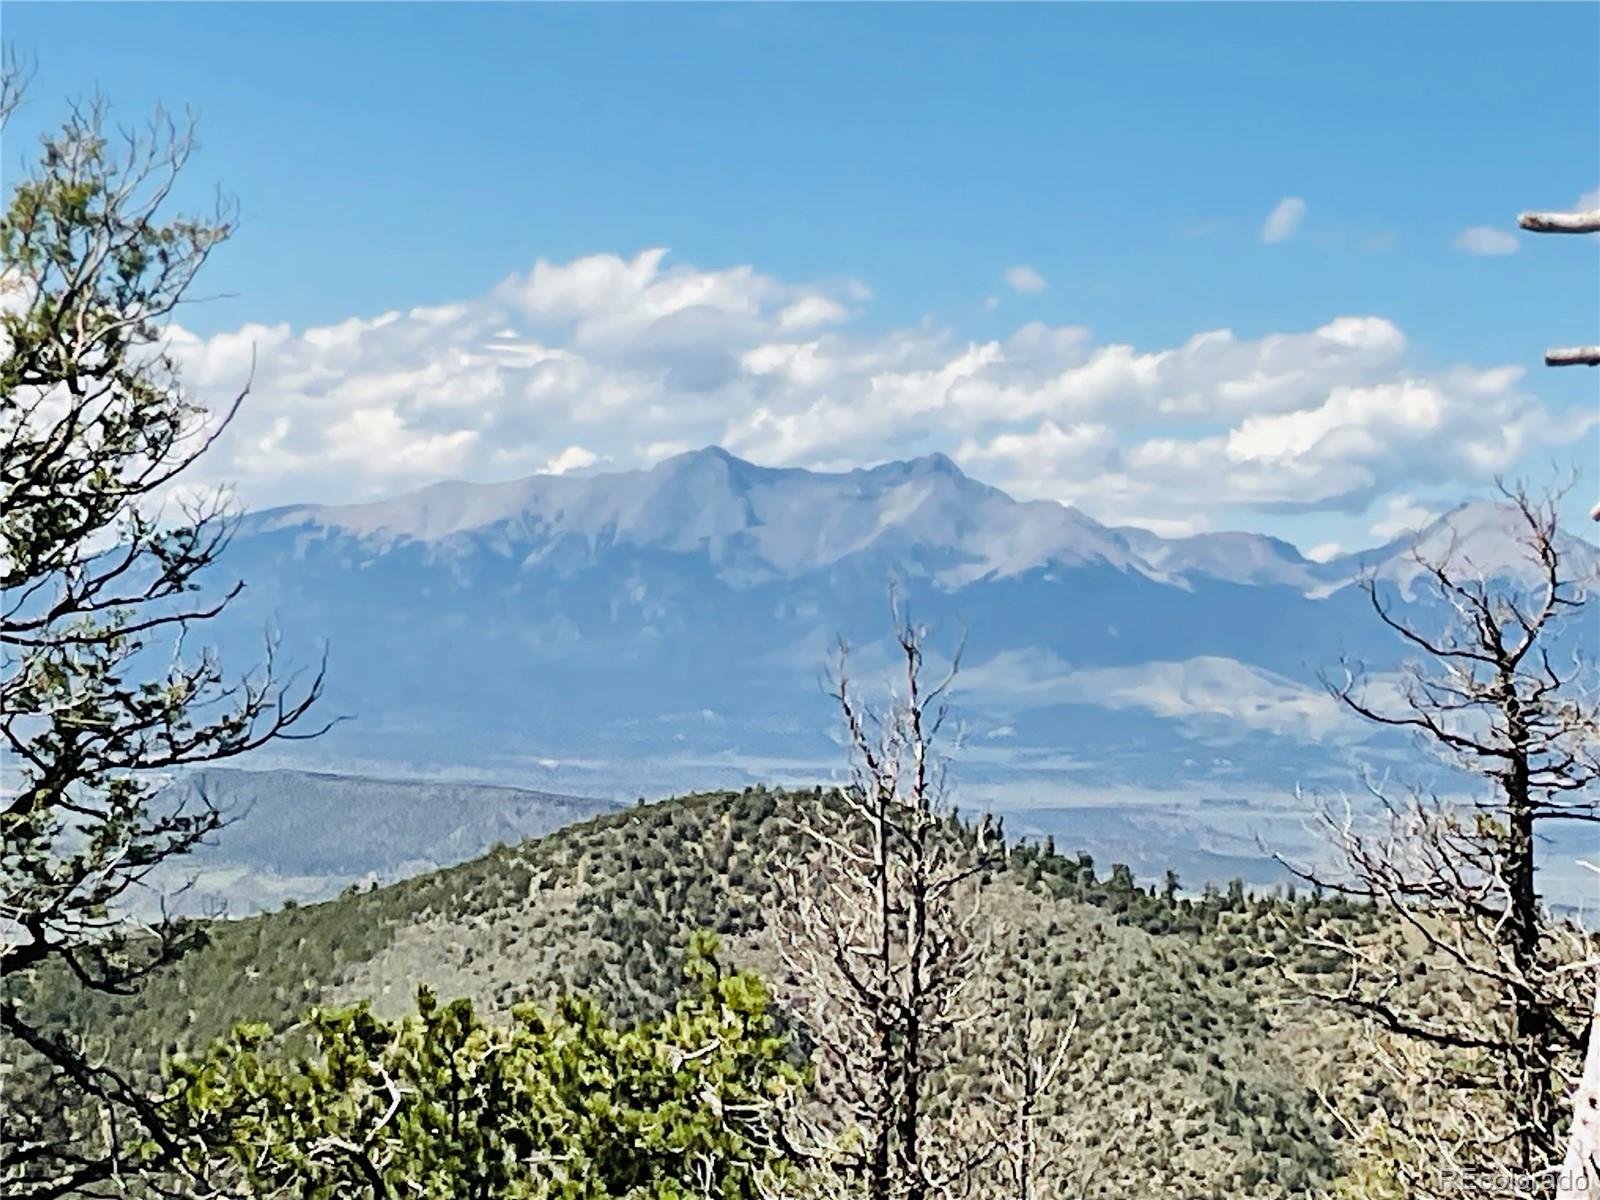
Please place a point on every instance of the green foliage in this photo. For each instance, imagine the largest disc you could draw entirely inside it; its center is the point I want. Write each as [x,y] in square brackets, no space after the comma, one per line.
[1182,1016]
[1371,1161]
[560,1105]
[103,684]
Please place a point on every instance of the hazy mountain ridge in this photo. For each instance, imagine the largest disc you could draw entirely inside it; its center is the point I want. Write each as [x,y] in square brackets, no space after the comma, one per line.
[645,632]
[1482,538]
[307,835]
[791,522]
[1235,557]
[754,523]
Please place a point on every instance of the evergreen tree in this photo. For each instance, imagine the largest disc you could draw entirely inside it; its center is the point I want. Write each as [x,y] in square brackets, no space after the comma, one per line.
[560,1105]
[99,690]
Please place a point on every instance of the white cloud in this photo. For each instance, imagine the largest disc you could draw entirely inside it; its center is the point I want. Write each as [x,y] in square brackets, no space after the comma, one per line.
[629,360]
[1324,551]
[810,311]
[1589,201]
[1283,220]
[1025,280]
[573,458]
[1484,240]
[1169,527]
[1401,514]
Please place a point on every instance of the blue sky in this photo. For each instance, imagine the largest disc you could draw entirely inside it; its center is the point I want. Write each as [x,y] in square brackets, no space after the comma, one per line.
[897,160]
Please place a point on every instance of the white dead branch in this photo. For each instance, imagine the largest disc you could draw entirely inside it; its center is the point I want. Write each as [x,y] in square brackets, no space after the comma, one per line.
[1569,222]
[1555,222]
[1573,356]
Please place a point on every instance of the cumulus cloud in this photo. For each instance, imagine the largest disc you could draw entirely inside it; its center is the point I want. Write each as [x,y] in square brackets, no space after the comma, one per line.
[573,458]
[1025,280]
[1485,240]
[628,360]
[1401,514]
[809,312]
[1283,220]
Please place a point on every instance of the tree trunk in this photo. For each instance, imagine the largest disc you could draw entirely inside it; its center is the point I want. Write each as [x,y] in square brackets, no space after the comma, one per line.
[1532,1101]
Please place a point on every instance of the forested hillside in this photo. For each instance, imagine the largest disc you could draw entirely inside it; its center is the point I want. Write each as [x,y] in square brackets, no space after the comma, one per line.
[1183,1023]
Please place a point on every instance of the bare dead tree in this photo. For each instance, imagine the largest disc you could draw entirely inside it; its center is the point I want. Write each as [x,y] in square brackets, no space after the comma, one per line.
[15,72]
[882,942]
[98,694]
[1029,1056]
[1467,988]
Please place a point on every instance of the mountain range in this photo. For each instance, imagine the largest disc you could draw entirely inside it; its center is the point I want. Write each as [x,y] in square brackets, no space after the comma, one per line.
[308,835]
[654,631]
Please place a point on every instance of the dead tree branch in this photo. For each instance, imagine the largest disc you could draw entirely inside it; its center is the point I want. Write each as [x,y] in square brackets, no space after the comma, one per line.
[1560,222]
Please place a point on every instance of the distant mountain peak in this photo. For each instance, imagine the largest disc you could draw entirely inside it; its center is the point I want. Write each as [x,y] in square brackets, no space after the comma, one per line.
[1486,524]
[1231,556]
[707,455]
[709,462]
[752,523]
[1487,537]
[937,463]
